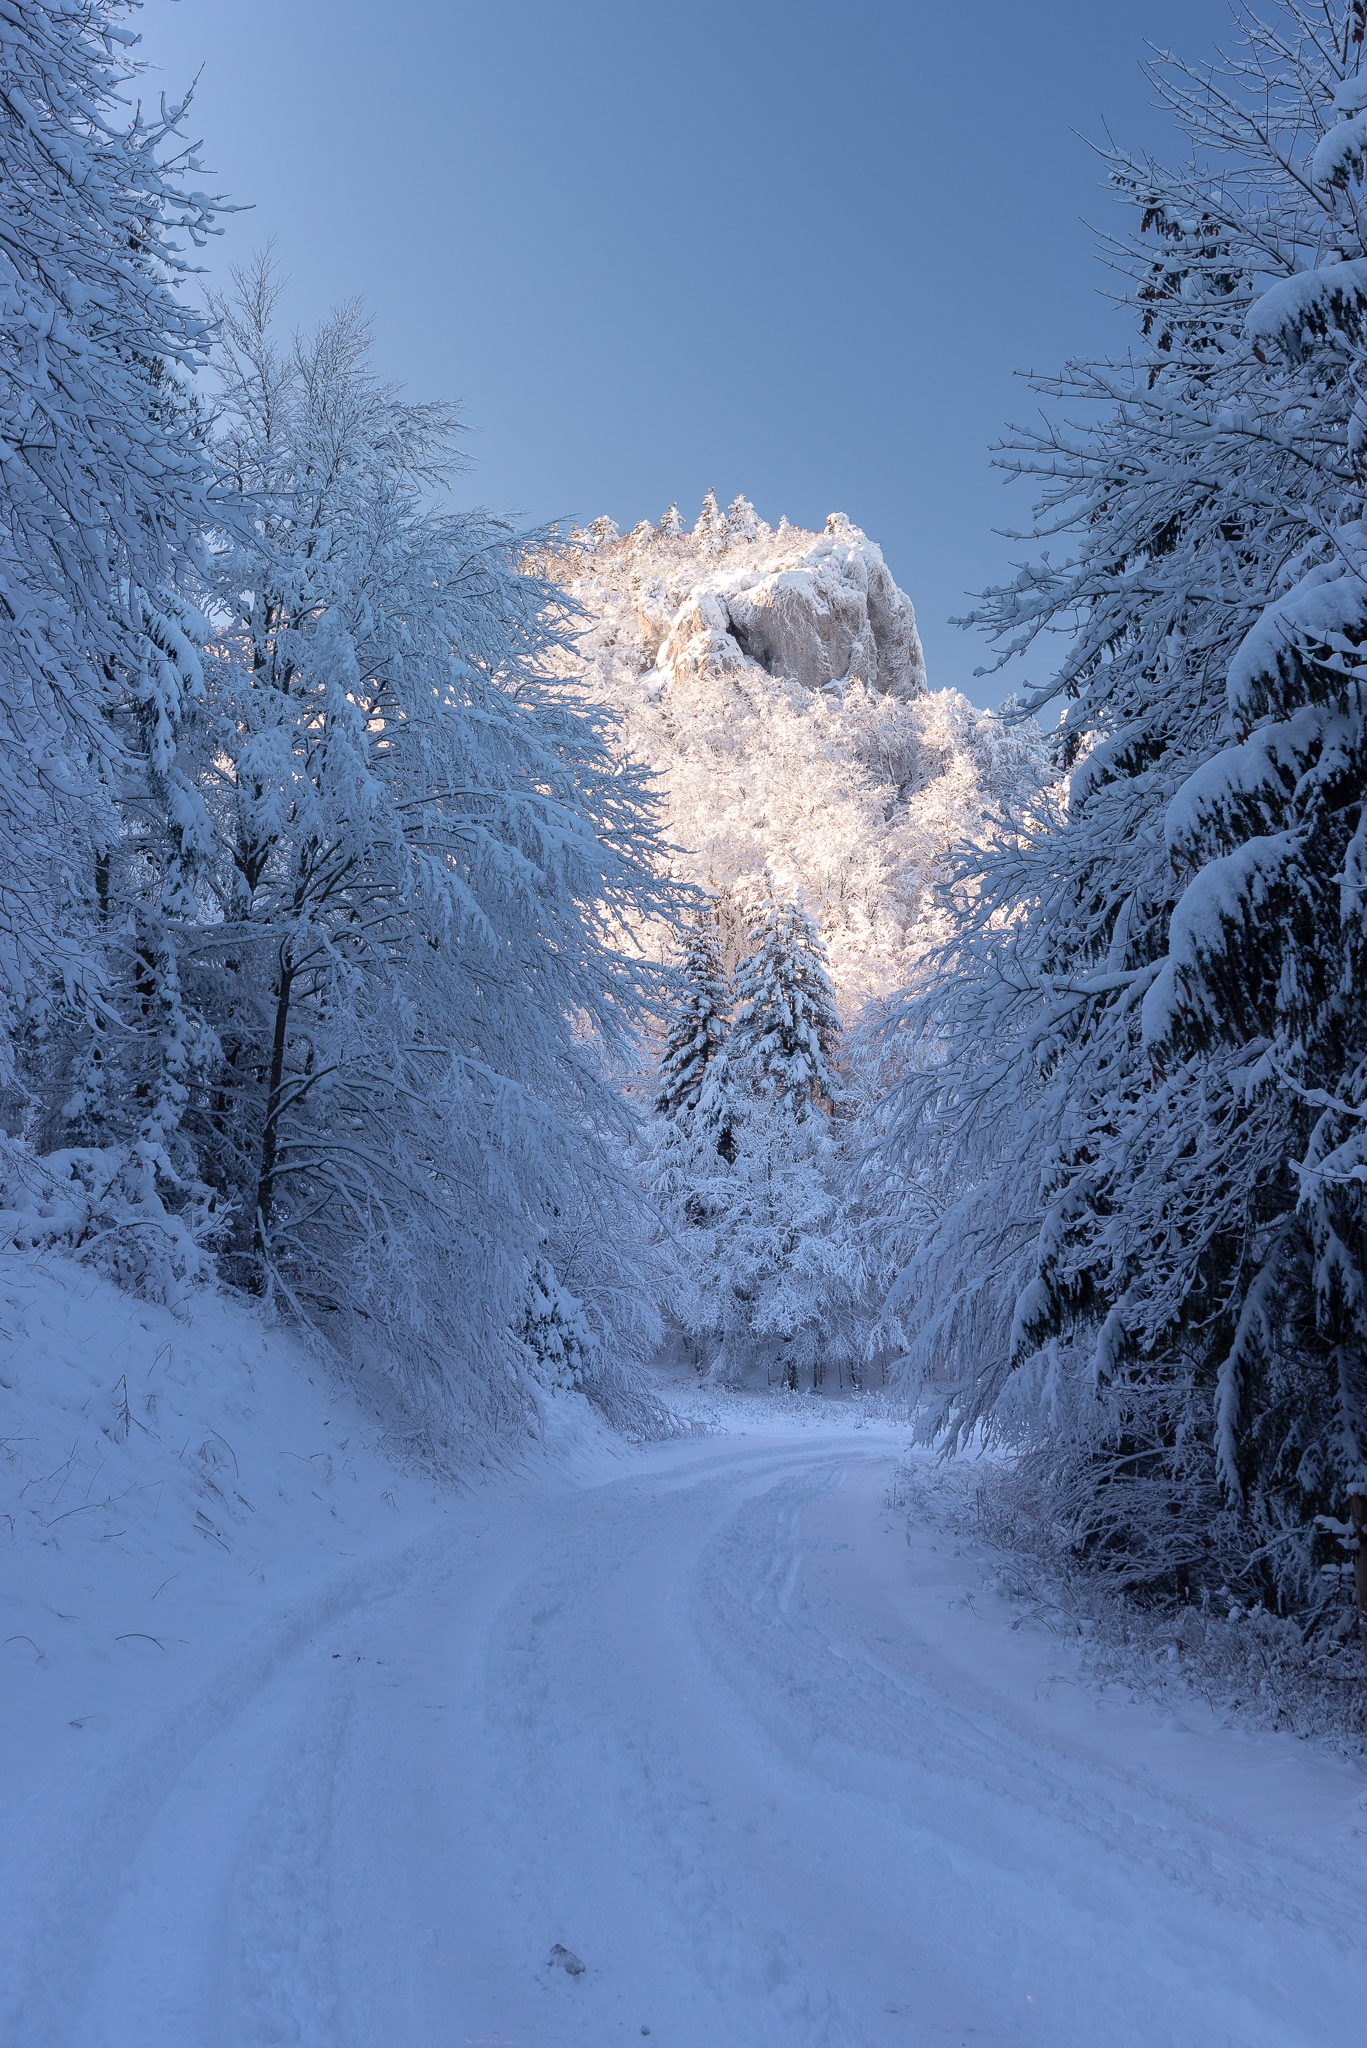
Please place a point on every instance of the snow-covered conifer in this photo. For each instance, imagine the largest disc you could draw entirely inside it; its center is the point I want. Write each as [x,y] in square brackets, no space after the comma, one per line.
[786,1026]
[695,1019]
[553,1331]
[671,525]
[1146,1253]
[709,533]
[742,521]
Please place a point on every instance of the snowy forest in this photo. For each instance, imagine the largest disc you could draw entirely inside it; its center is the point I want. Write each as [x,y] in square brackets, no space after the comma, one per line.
[657,1278]
[516,955]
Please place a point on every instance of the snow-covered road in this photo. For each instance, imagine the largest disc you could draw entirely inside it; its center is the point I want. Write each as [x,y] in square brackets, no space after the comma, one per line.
[713,1723]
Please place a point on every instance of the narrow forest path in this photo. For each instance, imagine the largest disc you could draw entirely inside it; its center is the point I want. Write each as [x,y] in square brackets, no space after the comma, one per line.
[716,1725]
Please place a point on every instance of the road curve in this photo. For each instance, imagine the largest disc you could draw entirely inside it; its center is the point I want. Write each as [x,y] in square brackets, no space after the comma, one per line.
[694,1725]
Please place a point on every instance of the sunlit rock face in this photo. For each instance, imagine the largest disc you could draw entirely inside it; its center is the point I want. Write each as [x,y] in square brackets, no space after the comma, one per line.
[836,617]
[817,609]
[774,680]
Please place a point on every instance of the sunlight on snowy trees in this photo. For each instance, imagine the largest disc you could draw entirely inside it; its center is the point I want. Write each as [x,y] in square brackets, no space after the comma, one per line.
[521,956]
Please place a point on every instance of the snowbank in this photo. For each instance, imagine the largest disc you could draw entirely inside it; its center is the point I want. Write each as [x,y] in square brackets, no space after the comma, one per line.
[169,1481]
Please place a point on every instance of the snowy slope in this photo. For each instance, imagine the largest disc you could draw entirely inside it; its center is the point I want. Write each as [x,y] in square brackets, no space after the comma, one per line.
[183,1499]
[705,1715]
[774,680]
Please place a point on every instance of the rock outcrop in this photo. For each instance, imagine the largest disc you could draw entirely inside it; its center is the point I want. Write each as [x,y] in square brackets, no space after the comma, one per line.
[831,617]
[774,679]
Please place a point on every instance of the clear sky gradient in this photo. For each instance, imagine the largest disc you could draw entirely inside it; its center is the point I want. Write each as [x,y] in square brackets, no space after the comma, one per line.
[792,250]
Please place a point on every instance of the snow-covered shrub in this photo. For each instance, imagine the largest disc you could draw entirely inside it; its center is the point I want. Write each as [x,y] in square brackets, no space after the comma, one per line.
[553,1331]
[105,1207]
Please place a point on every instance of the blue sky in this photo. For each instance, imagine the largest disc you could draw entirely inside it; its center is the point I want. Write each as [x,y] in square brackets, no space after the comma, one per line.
[793,250]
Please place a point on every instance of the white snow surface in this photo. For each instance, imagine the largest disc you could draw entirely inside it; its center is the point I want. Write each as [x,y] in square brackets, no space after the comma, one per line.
[774,680]
[711,1716]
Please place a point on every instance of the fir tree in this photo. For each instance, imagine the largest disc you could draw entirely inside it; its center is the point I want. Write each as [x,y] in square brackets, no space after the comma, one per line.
[709,533]
[1142,1096]
[695,1022]
[742,521]
[786,1027]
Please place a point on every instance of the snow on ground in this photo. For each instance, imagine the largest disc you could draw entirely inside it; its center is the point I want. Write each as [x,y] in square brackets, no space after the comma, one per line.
[710,1715]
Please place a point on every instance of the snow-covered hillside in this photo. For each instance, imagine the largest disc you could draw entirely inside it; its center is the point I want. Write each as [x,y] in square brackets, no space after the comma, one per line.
[774,679]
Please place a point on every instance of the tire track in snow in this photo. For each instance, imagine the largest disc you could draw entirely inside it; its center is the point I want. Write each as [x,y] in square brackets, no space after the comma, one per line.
[665,1721]
[1064,1844]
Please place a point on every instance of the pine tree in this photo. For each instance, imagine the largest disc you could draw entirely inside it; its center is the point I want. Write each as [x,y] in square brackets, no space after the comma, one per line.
[709,534]
[695,1021]
[553,1331]
[742,521]
[671,525]
[786,1027]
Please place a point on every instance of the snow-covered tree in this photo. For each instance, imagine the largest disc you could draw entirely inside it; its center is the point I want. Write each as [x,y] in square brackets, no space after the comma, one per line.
[1145,1252]
[553,1331]
[426,859]
[744,1167]
[671,525]
[709,532]
[786,1025]
[742,521]
[779,1270]
[695,1018]
[107,492]
[106,487]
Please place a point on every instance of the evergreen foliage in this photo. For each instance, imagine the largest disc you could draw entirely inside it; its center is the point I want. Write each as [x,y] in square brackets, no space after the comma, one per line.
[695,1020]
[1135,1126]
[709,533]
[786,1026]
[742,521]
[553,1331]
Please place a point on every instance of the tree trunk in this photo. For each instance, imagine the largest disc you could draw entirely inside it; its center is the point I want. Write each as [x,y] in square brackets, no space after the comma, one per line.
[1357,1515]
[270,1136]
